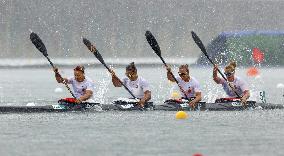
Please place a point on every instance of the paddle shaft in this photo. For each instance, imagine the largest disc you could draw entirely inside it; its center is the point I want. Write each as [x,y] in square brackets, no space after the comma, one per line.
[155,46]
[213,65]
[202,48]
[174,78]
[205,53]
[64,82]
[121,82]
[100,58]
[223,76]
[41,47]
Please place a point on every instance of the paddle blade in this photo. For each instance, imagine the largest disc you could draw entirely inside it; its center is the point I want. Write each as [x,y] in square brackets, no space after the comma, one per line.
[87,43]
[93,49]
[38,43]
[153,43]
[198,42]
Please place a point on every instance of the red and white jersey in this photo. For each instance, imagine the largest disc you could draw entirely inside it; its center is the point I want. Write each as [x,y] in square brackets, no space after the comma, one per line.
[137,87]
[190,87]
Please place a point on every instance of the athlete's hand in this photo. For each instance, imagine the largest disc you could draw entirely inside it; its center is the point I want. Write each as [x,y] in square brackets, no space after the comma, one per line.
[112,73]
[55,69]
[244,101]
[58,77]
[215,69]
[192,104]
[141,103]
[168,68]
[78,101]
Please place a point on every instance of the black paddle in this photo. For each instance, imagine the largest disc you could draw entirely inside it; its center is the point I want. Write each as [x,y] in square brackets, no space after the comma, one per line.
[155,46]
[202,48]
[94,50]
[41,47]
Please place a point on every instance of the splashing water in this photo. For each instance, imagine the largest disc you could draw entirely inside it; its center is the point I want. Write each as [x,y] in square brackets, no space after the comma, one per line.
[281,86]
[1,95]
[102,90]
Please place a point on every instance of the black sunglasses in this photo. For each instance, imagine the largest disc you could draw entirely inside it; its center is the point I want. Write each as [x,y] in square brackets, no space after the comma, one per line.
[181,74]
[130,74]
[229,74]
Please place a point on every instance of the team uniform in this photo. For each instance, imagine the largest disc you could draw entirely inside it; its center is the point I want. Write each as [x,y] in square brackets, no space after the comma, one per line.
[137,87]
[80,88]
[190,87]
[239,85]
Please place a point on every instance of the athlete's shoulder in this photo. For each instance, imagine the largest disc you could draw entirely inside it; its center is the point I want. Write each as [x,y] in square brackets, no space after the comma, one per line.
[125,79]
[194,80]
[179,79]
[239,79]
[71,79]
[142,80]
[88,78]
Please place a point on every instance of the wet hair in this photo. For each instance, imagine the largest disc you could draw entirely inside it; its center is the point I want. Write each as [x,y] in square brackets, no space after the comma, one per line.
[80,68]
[131,66]
[231,67]
[185,66]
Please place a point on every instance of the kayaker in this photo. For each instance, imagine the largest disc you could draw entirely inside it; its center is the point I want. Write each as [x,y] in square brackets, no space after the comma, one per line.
[236,83]
[189,86]
[83,86]
[136,84]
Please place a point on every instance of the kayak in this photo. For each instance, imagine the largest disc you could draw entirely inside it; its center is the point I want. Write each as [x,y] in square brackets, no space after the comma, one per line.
[174,105]
[51,108]
[125,104]
[68,105]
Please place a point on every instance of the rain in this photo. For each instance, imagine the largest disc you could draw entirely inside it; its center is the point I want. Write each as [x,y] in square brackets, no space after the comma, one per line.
[68,87]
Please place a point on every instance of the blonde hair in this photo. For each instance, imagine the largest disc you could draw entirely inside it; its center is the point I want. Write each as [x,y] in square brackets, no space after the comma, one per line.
[231,67]
[185,66]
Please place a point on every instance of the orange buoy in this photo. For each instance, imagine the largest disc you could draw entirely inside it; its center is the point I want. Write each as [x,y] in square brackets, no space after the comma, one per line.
[252,71]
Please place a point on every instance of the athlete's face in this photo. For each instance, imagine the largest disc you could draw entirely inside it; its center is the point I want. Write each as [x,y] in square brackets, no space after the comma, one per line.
[230,75]
[183,74]
[131,74]
[79,76]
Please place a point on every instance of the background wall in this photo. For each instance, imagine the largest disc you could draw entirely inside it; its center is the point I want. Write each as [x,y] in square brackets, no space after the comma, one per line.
[118,26]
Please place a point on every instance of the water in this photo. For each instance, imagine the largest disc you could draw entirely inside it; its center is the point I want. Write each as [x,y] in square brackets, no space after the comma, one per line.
[252,132]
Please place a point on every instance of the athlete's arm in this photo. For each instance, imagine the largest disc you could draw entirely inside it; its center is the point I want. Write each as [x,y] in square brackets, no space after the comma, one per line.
[245,96]
[146,98]
[86,96]
[115,80]
[215,76]
[170,76]
[58,77]
[196,100]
